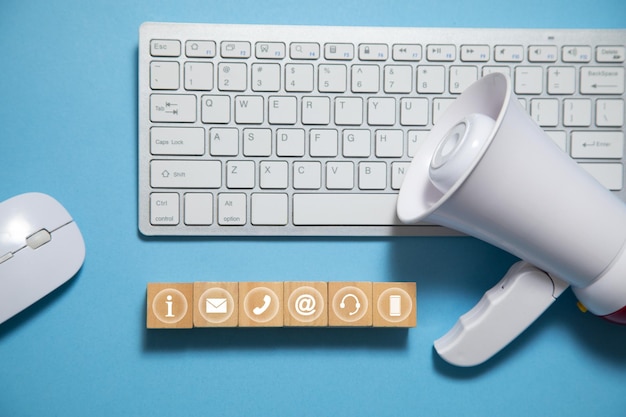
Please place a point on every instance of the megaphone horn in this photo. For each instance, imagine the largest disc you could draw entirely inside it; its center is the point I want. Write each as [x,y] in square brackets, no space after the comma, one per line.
[488,170]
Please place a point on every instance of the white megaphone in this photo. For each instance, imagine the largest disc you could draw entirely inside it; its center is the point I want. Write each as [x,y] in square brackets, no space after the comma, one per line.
[489,171]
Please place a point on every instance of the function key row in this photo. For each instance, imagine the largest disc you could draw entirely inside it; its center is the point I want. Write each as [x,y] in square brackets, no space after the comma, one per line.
[380,52]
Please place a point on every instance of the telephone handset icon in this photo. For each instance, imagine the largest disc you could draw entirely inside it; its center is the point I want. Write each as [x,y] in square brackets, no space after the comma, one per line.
[267,300]
[357,304]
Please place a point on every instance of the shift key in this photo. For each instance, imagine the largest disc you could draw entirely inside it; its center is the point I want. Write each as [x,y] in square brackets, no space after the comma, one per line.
[185,174]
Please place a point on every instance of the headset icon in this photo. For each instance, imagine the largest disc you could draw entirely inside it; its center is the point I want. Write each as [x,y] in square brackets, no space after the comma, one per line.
[357,304]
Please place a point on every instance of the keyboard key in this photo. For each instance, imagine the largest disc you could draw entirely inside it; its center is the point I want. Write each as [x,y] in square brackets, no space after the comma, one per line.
[257,142]
[561,80]
[231,76]
[349,111]
[274,175]
[398,79]
[164,75]
[269,209]
[441,53]
[542,53]
[416,139]
[462,77]
[508,53]
[576,53]
[164,209]
[340,175]
[373,52]
[528,80]
[235,49]
[198,209]
[282,110]
[610,113]
[265,77]
[576,112]
[290,142]
[270,50]
[339,51]
[173,108]
[299,77]
[381,111]
[609,175]
[490,69]
[177,141]
[240,174]
[200,49]
[545,111]
[231,209]
[315,110]
[372,175]
[597,144]
[357,143]
[332,78]
[307,175]
[430,79]
[199,76]
[559,138]
[365,78]
[249,109]
[602,80]
[216,109]
[413,111]
[323,142]
[407,52]
[223,141]
[389,143]
[344,209]
[304,50]
[474,53]
[164,47]
[439,107]
[398,171]
[185,174]
[610,53]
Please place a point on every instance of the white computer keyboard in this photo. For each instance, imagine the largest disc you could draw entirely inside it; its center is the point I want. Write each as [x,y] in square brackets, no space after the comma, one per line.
[296,130]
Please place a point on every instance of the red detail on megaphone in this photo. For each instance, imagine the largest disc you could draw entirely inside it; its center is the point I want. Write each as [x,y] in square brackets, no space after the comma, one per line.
[618,317]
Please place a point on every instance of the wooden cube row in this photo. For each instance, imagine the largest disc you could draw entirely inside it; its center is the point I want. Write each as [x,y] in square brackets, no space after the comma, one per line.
[281,304]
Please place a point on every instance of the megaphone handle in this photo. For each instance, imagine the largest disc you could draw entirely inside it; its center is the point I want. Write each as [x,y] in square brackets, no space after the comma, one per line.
[500,316]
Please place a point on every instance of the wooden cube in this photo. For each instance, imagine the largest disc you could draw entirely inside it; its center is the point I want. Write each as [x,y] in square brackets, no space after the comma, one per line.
[260,304]
[306,303]
[215,304]
[169,306]
[395,304]
[350,304]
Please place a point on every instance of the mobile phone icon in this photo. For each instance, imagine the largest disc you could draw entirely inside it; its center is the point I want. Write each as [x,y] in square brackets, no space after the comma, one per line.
[394,306]
[267,300]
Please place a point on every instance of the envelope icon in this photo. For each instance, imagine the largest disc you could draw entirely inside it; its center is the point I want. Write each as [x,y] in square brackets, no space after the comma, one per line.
[216,305]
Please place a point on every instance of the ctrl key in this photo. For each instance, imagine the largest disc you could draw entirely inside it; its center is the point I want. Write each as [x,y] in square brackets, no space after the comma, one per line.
[164,209]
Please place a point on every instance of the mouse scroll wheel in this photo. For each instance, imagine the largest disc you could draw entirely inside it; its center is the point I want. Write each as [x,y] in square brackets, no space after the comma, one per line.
[38,239]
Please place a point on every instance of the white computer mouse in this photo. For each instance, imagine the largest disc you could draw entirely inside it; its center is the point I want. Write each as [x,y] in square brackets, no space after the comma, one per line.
[40,249]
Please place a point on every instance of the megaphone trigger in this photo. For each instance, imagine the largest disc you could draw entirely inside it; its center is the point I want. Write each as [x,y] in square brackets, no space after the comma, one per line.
[500,316]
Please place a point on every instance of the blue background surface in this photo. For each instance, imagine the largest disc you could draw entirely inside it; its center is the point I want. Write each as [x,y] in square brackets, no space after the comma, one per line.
[68,123]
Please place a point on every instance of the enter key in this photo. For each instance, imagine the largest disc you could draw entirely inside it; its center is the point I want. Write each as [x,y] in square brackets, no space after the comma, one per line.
[597,145]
